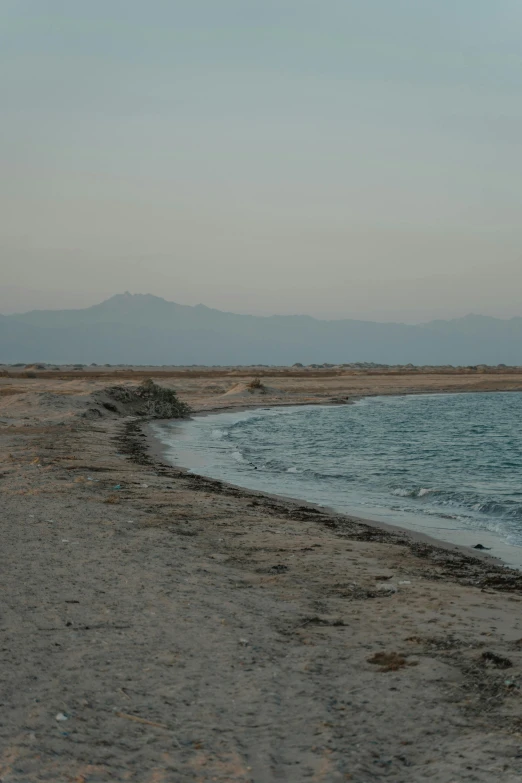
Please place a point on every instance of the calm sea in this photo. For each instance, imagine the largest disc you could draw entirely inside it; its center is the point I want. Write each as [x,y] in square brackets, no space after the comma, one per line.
[447,465]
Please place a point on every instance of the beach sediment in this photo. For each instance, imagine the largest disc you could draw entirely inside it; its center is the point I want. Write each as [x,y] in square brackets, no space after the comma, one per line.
[190,630]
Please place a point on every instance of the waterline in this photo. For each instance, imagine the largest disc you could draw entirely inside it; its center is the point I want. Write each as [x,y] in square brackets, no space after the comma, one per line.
[442,465]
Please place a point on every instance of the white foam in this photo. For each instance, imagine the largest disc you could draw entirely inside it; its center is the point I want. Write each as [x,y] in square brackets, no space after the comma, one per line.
[403,493]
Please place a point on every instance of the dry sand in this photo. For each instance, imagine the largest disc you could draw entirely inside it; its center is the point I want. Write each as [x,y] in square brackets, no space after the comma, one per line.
[176,629]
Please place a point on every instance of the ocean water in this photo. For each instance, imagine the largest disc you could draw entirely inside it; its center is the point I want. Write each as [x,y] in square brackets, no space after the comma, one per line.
[448,465]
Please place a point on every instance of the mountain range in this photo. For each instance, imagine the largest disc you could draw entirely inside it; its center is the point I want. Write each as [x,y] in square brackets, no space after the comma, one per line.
[146,329]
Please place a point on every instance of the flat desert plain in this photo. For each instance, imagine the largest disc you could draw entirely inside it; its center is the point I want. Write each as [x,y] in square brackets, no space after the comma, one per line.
[159,627]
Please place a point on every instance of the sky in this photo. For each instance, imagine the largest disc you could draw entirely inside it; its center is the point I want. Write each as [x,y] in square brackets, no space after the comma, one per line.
[340,158]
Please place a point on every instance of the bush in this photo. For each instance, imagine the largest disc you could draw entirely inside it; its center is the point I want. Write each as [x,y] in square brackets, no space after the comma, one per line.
[162,403]
[151,400]
[255,385]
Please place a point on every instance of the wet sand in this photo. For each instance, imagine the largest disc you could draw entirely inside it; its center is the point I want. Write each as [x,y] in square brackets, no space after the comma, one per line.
[162,442]
[192,631]
[158,448]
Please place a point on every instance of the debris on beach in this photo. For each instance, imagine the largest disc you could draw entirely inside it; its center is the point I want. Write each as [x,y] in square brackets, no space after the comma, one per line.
[386,588]
[390,662]
[498,661]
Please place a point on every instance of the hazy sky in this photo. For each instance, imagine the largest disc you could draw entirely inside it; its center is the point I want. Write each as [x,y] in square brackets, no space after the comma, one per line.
[332,157]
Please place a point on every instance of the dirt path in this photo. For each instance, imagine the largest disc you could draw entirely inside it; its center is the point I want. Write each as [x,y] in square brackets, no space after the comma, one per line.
[156,627]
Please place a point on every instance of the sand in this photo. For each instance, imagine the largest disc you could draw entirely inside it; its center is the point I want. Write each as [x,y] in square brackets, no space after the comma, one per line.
[158,626]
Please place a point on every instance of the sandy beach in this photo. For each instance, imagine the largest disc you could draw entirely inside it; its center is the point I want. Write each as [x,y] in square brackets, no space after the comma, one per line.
[160,627]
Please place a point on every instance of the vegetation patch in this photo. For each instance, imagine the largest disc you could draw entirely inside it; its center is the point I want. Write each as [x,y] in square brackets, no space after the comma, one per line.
[149,400]
[256,385]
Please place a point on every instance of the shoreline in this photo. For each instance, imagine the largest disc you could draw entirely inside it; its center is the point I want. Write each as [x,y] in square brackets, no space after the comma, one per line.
[417,542]
[159,450]
[159,625]
[334,403]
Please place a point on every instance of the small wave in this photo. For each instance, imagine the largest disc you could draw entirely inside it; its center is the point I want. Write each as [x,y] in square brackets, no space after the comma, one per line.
[246,420]
[423,492]
[464,502]
[404,493]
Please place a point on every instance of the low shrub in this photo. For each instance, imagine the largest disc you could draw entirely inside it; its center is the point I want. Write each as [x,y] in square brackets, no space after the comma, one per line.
[255,385]
[150,400]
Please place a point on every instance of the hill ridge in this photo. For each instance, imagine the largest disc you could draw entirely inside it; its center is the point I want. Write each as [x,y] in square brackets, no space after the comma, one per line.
[148,329]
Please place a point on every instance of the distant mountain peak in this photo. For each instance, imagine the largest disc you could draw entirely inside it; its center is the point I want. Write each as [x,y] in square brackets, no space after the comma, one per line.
[128,297]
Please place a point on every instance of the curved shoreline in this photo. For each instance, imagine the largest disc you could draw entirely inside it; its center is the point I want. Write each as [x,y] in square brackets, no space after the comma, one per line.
[162,626]
[498,549]
[158,452]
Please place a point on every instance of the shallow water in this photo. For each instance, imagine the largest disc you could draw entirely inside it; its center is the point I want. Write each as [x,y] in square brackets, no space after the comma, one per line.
[447,465]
